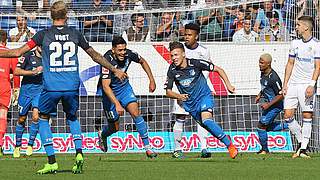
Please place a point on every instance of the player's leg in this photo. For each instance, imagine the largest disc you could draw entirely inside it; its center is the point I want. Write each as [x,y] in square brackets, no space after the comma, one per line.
[266,119]
[112,125]
[33,129]
[24,104]
[203,134]
[70,103]
[307,107]
[47,104]
[206,113]
[3,125]
[141,126]
[180,115]
[290,104]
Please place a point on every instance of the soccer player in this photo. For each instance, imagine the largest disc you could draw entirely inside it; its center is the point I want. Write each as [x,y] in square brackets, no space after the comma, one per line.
[118,95]
[6,65]
[301,74]
[271,101]
[61,79]
[193,50]
[195,94]
[30,67]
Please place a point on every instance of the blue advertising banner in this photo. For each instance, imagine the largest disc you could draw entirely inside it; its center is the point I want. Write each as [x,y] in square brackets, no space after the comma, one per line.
[130,142]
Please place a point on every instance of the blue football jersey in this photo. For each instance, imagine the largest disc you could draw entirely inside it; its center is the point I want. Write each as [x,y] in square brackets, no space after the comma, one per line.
[116,84]
[190,80]
[60,57]
[30,85]
[271,86]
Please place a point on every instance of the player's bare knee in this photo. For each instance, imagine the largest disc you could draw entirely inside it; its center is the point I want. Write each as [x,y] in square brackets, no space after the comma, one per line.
[262,126]
[307,115]
[44,116]
[22,119]
[181,116]
[288,114]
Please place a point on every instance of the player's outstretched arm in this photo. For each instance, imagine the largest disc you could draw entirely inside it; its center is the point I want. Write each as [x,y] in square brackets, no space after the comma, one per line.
[21,72]
[146,68]
[174,95]
[108,91]
[287,75]
[98,58]
[225,78]
[14,53]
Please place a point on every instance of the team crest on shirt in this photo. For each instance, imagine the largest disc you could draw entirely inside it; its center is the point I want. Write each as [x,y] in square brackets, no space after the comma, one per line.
[21,59]
[192,72]
[105,70]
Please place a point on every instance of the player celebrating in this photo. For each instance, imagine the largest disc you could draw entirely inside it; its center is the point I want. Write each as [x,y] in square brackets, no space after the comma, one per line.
[195,93]
[193,50]
[61,79]
[301,74]
[29,66]
[6,65]
[272,101]
[118,95]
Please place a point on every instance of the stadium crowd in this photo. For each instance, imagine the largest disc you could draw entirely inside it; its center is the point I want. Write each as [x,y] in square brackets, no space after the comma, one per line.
[99,20]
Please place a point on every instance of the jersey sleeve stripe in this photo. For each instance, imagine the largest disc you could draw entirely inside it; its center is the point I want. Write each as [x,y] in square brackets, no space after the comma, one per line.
[31,43]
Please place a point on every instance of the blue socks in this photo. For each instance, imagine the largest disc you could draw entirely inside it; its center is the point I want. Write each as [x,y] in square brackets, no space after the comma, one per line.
[141,126]
[263,138]
[75,129]
[277,126]
[216,131]
[34,128]
[46,136]
[19,132]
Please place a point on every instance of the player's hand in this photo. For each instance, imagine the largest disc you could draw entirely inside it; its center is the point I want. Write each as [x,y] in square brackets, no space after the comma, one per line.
[183,97]
[257,99]
[309,91]
[119,109]
[265,106]
[15,96]
[120,74]
[152,86]
[284,90]
[231,88]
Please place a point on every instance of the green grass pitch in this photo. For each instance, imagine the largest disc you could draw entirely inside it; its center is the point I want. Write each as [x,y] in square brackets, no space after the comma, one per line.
[137,166]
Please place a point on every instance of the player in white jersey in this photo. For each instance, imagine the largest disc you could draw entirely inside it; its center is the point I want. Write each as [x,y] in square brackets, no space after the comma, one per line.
[193,50]
[301,74]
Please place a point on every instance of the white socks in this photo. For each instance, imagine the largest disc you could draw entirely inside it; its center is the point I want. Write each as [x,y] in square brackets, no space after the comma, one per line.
[306,132]
[177,133]
[295,128]
[203,134]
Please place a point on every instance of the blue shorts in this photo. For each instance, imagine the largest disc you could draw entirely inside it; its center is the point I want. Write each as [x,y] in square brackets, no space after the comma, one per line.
[49,100]
[125,97]
[269,115]
[26,103]
[205,104]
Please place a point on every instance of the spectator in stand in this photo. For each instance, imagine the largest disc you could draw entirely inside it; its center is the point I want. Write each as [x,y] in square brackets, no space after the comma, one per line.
[97,28]
[166,29]
[233,22]
[210,28]
[29,6]
[121,21]
[6,6]
[21,33]
[262,20]
[138,32]
[274,31]
[245,34]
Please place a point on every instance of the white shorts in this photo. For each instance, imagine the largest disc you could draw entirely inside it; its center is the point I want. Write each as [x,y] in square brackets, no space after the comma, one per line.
[178,109]
[296,94]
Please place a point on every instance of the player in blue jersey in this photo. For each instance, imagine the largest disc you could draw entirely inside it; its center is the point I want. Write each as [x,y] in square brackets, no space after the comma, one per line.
[271,102]
[30,67]
[61,79]
[118,95]
[194,91]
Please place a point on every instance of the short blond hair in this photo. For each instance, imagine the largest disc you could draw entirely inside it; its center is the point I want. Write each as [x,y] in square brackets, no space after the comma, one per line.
[266,57]
[58,10]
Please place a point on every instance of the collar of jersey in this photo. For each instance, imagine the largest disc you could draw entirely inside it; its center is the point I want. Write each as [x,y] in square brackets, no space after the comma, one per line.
[193,48]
